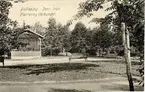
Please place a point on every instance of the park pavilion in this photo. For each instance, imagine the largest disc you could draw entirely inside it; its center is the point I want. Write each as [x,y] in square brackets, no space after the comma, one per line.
[29,45]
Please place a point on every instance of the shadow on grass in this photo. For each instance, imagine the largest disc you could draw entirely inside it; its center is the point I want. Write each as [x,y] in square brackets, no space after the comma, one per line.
[59,67]
[50,68]
[67,90]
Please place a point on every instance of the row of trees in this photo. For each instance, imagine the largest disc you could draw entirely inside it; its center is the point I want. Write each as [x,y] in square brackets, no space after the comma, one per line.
[58,38]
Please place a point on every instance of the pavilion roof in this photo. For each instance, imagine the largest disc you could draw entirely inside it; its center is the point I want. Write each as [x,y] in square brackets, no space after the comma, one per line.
[29,31]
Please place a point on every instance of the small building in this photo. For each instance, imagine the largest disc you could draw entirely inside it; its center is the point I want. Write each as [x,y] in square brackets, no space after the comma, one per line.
[29,45]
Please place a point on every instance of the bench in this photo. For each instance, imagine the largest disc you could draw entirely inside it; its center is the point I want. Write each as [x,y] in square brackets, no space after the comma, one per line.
[78,57]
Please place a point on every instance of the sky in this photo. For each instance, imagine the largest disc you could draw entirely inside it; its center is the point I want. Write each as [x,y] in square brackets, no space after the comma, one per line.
[61,10]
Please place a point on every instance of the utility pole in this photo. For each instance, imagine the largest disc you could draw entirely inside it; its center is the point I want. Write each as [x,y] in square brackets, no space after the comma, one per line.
[126,44]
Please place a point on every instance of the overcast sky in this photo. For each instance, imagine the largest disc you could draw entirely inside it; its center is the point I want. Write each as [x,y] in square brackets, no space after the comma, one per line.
[66,10]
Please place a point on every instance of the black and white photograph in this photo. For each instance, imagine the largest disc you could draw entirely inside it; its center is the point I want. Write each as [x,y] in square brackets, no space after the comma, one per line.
[72,45]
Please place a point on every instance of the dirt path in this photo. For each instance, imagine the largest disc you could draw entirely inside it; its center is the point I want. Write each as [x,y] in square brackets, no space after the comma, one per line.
[107,84]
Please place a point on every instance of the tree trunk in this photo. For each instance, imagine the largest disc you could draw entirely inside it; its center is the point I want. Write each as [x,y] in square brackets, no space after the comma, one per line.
[126,43]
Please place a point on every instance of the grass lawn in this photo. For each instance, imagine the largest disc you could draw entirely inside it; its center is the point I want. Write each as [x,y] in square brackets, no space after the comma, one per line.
[65,71]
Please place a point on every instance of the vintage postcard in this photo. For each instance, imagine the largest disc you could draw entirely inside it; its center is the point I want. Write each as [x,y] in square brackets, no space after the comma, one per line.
[71,45]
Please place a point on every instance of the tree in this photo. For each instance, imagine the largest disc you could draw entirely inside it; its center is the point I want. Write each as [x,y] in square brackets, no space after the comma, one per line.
[55,37]
[104,37]
[6,26]
[50,35]
[5,30]
[4,23]
[91,41]
[129,13]
[78,37]
[64,36]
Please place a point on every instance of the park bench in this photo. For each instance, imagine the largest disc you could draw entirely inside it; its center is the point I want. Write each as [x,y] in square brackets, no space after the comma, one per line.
[78,56]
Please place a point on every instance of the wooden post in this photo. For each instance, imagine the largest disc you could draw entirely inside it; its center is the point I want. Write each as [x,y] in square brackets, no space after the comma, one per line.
[3,63]
[2,60]
[51,51]
[40,47]
[126,43]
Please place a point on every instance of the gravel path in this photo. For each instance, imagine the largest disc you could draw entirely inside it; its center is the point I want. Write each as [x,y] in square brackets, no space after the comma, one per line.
[54,59]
